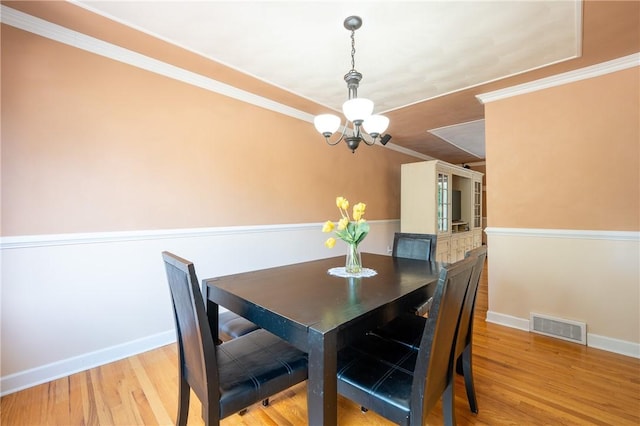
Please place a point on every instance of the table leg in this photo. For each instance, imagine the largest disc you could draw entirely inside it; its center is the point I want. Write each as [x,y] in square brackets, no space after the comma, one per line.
[212,313]
[322,385]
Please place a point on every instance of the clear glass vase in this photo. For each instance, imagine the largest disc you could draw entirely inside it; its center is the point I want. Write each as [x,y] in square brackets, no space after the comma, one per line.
[353,262]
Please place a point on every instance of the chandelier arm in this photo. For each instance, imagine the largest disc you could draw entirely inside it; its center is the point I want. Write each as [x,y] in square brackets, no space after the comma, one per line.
[363,135]
[344,130]
[359,132]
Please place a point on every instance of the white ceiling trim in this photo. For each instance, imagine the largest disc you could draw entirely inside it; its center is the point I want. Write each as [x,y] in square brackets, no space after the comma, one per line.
[81,41]
[64,35]
[407,151]
[592,71]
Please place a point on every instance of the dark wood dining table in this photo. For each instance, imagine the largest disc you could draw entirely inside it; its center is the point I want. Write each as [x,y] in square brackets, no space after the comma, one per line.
[320,313]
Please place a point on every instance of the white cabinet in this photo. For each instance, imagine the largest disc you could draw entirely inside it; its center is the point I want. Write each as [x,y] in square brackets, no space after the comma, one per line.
[443,199]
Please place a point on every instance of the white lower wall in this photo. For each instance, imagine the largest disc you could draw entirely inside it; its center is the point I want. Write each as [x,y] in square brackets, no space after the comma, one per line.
[72,302]
[588,276]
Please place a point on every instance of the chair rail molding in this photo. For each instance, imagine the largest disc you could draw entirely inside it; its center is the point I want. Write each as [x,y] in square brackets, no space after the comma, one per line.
[45,240]
[564,233]
[58,279]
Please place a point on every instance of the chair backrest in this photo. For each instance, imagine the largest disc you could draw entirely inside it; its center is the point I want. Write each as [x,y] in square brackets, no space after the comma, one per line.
[415,246]
[198,364]
[434,365]
[465,329]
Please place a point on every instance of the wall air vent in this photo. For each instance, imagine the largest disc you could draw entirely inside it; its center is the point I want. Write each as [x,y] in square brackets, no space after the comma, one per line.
[572,331]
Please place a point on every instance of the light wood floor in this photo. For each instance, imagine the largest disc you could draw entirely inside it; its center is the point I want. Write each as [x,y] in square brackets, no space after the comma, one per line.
[521,379]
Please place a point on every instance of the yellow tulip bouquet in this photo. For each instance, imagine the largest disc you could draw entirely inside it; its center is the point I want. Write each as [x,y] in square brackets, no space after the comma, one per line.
[350,231]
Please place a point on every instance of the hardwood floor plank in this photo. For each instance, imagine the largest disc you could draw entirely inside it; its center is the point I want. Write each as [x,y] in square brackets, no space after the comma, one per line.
[521,379]
[149,394]
[103,393]
[165,362]
[76,406]
[90,409]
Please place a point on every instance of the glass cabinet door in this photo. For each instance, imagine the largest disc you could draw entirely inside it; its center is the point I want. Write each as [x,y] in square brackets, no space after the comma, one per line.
[477,204]
[444,204]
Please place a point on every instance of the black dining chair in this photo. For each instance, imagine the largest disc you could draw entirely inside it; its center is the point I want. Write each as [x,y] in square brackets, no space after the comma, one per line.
[415,246]
[406,329]
[419,247]
[234,325]
[399,382]
[229,377]
[464,341]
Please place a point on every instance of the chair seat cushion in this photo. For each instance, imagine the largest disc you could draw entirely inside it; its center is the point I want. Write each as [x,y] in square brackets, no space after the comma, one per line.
[255,366]
[234,325]
[406,329]
[377,374]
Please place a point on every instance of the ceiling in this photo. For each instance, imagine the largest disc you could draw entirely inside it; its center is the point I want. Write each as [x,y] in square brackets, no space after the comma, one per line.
[422,61]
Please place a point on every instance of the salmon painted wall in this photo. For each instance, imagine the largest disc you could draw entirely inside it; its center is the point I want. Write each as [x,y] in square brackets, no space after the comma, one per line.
[563,207]
[567,157]
[105,165]
[90,144]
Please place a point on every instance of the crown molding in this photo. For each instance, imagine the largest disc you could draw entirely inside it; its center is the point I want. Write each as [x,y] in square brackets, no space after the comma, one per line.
[406,151]
[81,41]
[475,163]
[597,70]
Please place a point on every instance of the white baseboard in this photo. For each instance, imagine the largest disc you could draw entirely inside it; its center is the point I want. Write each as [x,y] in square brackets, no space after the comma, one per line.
[608,344]
[508,320]
[621,347]
[46,373]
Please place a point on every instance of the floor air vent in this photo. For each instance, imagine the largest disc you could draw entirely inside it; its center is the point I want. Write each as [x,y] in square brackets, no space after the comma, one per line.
[573,331]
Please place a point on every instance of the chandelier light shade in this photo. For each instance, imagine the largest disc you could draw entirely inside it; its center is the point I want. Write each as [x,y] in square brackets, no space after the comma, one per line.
[367,127]
[357,110]
[327,124]
[375,125]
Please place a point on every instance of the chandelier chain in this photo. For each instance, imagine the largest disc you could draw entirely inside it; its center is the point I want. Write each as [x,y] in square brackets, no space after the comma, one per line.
[353,50]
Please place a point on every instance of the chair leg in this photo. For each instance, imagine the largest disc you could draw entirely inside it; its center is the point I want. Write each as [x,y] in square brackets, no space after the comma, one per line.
[468,379]
[265,402]
[184,392]
[210,414]
[459,368]
[448,404]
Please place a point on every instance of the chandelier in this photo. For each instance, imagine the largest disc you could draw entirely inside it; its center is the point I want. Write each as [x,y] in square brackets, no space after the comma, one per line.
[367,127]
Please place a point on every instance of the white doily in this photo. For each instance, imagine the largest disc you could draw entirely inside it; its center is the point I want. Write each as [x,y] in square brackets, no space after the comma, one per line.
[340,272]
